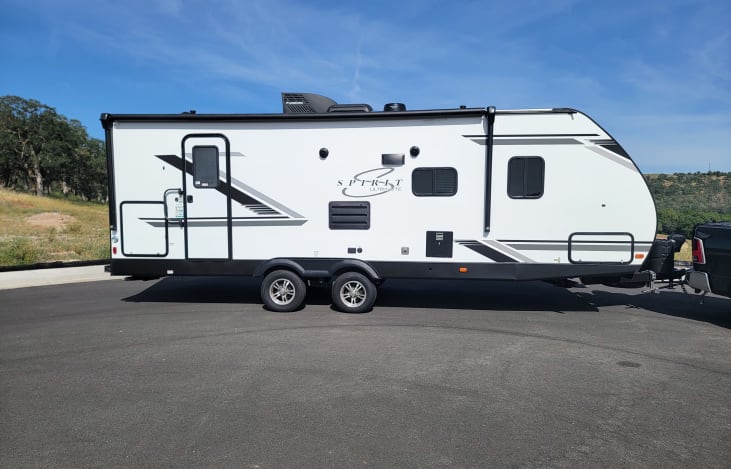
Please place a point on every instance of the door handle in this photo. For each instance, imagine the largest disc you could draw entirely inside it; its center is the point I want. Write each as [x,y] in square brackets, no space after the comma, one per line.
[189,199]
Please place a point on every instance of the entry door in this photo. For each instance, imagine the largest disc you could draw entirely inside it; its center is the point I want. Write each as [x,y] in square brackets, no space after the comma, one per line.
[207,196]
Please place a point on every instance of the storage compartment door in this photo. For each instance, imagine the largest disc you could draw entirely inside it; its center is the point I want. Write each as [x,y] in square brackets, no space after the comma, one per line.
[144,229]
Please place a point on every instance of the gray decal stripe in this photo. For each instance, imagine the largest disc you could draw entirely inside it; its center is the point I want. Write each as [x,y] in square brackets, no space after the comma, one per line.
[600,247]
[262,209]
[507,250]
[533,240]
[234,189]
[613,157]
[213,218]
[271,202]
[576,242]
[528,141]
[536,141]
[533,135]
[578,246]
[271,221]
[220,153]
[613,146]
[486,251]
[223,188]
[574,247]
[235,218]
[566,242]
[540,247]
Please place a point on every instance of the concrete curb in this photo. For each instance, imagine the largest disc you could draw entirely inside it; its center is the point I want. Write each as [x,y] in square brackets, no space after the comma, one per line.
[52,265]
[58,276]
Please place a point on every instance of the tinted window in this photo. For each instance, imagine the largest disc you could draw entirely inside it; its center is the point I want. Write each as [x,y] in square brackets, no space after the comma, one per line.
[525,177]
[205,167]
[436,182]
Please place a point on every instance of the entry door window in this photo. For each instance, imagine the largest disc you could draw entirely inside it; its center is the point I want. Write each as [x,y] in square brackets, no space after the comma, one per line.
[205,167]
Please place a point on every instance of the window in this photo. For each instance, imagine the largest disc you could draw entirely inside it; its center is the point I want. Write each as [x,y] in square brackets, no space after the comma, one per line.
[525,177]
[205,167]
[434,182]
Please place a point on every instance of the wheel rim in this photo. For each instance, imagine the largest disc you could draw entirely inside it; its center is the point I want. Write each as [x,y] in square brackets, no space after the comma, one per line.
[353,294]
[282,291]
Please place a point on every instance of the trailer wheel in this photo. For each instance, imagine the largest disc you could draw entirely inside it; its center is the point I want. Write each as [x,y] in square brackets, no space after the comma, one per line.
[353,293]
[283,291]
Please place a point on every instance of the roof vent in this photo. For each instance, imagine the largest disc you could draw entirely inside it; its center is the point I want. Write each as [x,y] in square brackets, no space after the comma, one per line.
[307,103]
[350,108]
[394,107]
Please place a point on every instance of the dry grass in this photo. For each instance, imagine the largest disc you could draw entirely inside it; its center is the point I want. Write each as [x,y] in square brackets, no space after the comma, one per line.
[47,229]
[686,252]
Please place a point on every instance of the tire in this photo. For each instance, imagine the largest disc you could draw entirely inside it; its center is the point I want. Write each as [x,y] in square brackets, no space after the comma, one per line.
[283,291]
[353,293]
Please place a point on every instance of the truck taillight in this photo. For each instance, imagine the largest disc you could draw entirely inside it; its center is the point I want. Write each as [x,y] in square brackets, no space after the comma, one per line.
[699,257]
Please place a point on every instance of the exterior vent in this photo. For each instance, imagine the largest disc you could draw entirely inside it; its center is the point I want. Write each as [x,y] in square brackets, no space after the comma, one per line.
[350,108]
[394,107]
[350,215]
[305,103]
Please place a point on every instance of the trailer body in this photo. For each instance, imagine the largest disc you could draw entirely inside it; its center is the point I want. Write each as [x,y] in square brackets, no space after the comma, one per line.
[470,193]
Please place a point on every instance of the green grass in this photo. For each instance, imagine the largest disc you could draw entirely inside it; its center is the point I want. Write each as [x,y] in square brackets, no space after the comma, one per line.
[48,229]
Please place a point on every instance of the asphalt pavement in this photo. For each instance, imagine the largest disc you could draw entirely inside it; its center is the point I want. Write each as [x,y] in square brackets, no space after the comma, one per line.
[196,373]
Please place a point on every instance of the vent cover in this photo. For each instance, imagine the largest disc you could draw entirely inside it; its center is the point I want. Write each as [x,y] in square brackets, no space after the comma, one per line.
[349,215]
[305,103]
[350,108]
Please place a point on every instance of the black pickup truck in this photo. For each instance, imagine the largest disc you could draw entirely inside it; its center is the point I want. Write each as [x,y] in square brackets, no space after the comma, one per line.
[711,258]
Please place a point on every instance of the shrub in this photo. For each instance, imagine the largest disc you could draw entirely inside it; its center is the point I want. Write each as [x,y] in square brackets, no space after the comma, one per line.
[19,251]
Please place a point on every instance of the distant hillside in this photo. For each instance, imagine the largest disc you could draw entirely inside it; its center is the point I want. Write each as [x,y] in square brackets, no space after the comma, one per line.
[45,229]
[686,199]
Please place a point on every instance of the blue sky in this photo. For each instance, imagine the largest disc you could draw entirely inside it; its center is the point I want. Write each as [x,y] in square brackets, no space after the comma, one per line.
[655,74]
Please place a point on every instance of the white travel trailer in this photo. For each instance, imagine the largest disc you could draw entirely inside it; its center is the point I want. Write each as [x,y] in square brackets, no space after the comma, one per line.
[338,194]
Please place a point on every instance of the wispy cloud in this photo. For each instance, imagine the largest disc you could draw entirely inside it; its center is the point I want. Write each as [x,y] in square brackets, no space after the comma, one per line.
[714,57]
[172,8]
[615,60]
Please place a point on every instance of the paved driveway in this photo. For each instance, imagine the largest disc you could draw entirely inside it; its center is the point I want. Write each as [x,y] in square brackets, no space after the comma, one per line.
[195,373]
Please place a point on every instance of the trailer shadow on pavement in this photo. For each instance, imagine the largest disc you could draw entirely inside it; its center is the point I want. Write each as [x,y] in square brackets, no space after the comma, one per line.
[677,303]
[450,294]
[437,294]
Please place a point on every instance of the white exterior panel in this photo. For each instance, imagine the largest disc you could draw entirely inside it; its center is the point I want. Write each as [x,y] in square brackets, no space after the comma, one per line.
[594,201]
